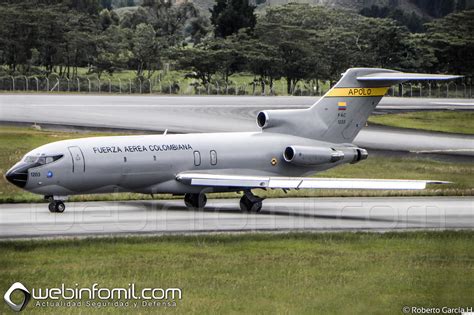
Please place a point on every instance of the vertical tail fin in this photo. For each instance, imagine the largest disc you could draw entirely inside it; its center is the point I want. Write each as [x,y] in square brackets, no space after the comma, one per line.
[346,107]
[342,112]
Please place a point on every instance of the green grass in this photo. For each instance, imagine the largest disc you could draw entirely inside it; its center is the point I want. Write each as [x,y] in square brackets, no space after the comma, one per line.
[16,141]
[444,121]
[328,273]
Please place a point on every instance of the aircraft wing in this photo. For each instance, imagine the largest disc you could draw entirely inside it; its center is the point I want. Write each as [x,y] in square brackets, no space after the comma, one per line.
[212,180]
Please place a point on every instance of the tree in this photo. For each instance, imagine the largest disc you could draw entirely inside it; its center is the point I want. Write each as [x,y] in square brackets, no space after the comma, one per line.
[146,50]
[294,51]
[453,43]
[106,4]
[112,51]
[213,56]
[200,61]
[262,60]
[229,16]
[172,22]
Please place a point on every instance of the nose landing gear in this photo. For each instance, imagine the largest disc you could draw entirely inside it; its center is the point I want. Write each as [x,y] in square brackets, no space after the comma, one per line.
[55,205]
[250,203]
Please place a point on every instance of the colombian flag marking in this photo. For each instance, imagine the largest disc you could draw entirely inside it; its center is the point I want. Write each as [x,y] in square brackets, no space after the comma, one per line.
[341,105]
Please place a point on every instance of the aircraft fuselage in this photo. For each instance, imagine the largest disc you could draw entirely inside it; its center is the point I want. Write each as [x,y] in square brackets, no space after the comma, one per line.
[149,164]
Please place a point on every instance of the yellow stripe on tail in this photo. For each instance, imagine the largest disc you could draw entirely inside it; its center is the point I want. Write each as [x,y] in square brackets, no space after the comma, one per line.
[357,92]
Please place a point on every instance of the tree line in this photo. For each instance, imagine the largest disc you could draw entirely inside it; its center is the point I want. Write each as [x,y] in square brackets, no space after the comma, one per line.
[297,42]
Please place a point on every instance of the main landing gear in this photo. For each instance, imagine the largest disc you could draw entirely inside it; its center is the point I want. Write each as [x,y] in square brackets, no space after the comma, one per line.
[55,205]
[250,203]
[195,201]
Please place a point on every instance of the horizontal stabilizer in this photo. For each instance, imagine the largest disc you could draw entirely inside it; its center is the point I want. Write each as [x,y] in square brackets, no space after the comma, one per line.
[399,77]
[218,180]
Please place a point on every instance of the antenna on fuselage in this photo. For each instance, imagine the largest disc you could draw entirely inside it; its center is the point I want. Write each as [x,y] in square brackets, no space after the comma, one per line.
[165,132]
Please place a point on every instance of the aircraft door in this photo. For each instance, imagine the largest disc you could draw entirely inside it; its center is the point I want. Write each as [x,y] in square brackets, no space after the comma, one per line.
[78,163]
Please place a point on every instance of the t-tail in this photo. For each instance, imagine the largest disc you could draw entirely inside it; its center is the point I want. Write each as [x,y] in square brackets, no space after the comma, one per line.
[342,112]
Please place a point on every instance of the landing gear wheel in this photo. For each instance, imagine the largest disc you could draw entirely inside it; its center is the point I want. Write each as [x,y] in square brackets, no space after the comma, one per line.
[60,206]
[52,207]
[56,206]
[195,201]
[250,203]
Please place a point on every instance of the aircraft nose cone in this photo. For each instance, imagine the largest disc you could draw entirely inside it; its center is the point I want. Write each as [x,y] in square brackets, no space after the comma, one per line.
[17,177]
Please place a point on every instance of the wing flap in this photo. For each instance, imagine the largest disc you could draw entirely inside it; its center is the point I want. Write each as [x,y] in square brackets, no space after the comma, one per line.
[210,180]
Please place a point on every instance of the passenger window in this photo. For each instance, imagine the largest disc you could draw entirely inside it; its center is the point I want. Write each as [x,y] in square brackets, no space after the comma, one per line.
[49,159]
[197,158]
[213,157]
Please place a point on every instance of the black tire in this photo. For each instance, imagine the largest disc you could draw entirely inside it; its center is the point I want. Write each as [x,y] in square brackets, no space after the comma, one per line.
[52,207]
[256,207]
[188,201]
[195,201]
[244,204]
[60,207]
[248,206]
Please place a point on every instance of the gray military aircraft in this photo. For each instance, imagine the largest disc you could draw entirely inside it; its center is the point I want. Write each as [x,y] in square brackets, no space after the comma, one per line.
[292,143]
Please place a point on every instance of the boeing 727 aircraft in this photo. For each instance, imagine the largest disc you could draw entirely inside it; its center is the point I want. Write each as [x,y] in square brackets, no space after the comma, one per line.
[293,143]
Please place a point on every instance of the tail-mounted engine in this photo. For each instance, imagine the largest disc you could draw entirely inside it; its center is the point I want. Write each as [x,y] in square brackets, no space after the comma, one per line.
[309,156]
[301,155]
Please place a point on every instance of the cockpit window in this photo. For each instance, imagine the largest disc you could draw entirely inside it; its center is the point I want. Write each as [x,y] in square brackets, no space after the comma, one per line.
[30,159]
[41,160]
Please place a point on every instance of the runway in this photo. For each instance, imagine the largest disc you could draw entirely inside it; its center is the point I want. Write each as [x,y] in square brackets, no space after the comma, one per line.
[222,215]
[220,113]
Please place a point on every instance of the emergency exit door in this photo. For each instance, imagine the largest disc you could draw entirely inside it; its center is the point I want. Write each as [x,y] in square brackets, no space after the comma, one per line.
[78,163]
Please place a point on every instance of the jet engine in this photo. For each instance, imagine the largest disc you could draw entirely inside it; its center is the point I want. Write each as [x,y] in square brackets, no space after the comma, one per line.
[278,118]
[307,156]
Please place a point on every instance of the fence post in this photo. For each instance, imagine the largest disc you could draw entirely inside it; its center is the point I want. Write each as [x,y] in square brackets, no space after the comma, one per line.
[26,83]
[47,84]
[13,83]
[37,84]
[98,80]
[78,85]
[59,83]
[149,85]
[110,86]
[89,81]
[120,86]
[130,85]
[464,90]
[429,89]
[68,85]
[140,85]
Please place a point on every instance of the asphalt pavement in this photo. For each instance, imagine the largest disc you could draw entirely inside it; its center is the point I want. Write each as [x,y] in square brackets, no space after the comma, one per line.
[223,215]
